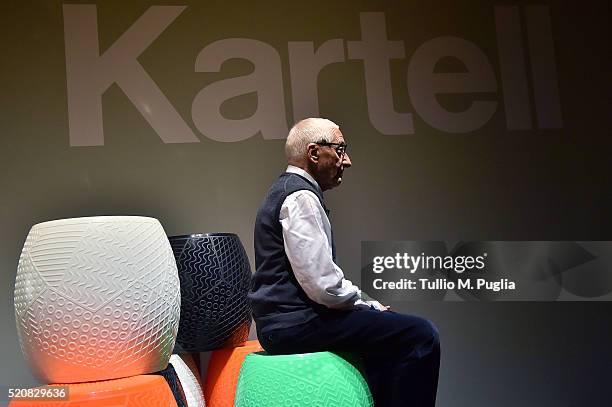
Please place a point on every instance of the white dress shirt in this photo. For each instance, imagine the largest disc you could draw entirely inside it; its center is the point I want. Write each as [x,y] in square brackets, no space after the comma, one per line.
[308,245]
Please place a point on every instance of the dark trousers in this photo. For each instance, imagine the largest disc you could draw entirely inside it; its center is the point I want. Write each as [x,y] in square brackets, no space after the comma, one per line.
[400,353]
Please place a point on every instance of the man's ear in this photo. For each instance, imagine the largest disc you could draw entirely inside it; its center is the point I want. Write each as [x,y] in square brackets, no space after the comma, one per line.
[312,153]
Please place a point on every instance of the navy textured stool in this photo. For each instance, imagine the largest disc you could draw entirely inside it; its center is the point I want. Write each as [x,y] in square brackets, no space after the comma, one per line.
[169,374]
[215,278]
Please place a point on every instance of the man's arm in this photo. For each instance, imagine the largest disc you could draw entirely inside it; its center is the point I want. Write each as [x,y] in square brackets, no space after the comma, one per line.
[307,240]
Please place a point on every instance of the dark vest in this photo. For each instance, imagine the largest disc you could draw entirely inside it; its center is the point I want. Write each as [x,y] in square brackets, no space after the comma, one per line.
[277,299]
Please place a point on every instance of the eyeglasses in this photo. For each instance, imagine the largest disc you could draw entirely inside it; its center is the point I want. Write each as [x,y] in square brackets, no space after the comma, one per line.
[339,147]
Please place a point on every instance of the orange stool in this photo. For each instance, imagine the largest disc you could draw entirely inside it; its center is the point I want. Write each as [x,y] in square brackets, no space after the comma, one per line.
[135,391]
[223,371]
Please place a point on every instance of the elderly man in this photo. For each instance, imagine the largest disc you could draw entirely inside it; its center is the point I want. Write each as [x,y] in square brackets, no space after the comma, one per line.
[301,300]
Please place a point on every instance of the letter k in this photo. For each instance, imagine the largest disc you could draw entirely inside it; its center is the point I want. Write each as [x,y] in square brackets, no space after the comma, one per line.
[89,75]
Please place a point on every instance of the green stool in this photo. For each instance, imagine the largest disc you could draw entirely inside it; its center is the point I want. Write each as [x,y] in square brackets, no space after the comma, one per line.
[321,379]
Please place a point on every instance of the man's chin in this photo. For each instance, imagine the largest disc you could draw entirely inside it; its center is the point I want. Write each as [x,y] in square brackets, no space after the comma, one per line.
[334,182]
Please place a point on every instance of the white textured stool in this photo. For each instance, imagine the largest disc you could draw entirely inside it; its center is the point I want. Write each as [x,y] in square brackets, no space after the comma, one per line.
[96,298]
[191,385]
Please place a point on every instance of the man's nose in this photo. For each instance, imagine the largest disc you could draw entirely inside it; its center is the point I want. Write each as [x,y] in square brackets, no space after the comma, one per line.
[346,160]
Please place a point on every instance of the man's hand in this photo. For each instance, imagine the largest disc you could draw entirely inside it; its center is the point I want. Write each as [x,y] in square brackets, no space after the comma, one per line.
[378,306]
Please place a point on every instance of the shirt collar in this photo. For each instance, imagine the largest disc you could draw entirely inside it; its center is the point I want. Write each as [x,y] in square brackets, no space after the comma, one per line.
[297,170]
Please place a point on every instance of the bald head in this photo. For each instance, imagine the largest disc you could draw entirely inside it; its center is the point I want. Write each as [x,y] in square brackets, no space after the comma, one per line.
[317,146]
[312,130]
